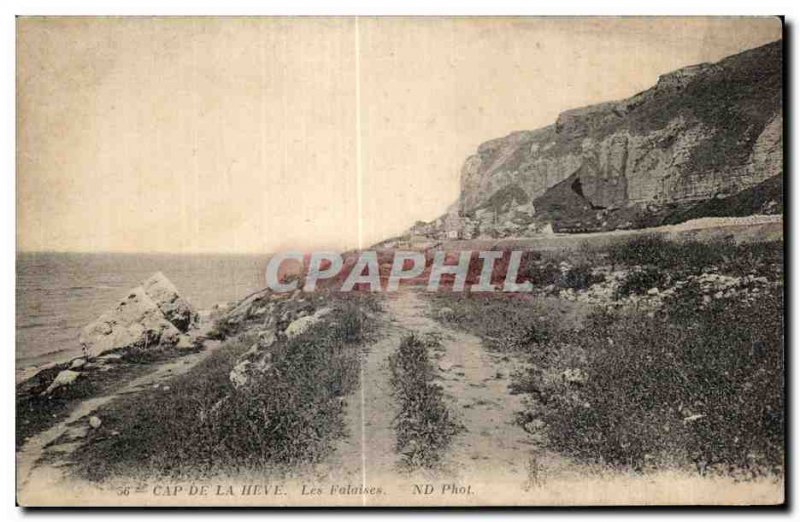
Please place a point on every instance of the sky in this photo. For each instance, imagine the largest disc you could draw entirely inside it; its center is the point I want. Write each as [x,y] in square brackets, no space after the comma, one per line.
[239,135]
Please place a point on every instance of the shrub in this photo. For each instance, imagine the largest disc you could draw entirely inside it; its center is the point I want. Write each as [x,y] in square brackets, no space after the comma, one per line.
[540,272]
[693,257]
[503,321]
[755,258]
[638,282]
[157,432]
[222,329]
[424,426]
[580,277]
[705,389]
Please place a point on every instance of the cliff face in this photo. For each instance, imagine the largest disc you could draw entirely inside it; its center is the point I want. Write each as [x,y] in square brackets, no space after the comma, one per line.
[702,132]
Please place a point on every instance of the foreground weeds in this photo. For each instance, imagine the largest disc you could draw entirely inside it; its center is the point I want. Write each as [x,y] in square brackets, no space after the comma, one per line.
[688,385]
[424,425]
[694,384]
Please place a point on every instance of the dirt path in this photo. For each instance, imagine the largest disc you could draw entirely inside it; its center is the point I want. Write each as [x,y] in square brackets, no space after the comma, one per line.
[475,383]
[40,463]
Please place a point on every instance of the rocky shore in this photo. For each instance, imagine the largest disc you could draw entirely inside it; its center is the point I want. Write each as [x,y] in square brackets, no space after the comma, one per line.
[151,326]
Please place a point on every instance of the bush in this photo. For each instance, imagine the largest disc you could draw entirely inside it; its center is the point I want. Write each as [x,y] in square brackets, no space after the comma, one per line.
[693,257]
[705,389]
[580,277]
[423,425]
[543,272]
[540,272]
[504,321]
[159,433]
[662,253]
[638,282]
[222,329]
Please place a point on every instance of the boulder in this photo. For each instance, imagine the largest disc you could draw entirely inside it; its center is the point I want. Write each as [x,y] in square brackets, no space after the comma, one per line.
[300,326]
[175,308]
[185,342]
[136,322]
[95,422]
[238,375]
[64,378]
[244,308]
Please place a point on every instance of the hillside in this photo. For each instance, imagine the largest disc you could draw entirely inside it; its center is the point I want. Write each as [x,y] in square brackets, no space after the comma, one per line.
[701,135]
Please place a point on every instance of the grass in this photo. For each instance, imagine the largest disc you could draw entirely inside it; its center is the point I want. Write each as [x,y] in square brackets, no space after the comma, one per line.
[424,425]
[694,257]
[545,270]
[696,385]
[507,322]
[202,425]
[640,280]
[36,412]
[685,386]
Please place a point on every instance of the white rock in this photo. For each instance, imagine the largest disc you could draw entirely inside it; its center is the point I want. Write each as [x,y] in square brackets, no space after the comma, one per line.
[300,326]
[692,418]
[267,338]
[184,342]
[238,376]
[135,322]
[64,378]
[166,297]
[250,351]
[95,422]
[77,363]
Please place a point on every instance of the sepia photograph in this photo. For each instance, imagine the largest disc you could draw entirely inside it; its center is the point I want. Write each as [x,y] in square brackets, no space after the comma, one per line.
[400,261]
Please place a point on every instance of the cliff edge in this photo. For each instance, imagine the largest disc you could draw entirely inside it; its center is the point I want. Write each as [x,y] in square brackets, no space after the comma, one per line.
[701,135]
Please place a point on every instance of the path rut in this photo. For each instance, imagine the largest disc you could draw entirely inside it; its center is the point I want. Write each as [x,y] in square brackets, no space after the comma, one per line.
[476,388]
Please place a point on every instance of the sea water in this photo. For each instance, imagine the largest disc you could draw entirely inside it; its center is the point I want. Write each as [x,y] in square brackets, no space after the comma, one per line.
[58,293]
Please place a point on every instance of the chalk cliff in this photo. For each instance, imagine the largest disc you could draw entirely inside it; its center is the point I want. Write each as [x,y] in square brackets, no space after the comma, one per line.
[704,132]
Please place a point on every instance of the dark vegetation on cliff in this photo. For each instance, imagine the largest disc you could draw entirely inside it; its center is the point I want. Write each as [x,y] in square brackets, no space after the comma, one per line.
[764,198]
[695,383]
[202,424]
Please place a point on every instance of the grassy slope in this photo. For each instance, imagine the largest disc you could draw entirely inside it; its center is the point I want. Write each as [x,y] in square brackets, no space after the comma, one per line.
[36,413]
[626,388]
[201,425]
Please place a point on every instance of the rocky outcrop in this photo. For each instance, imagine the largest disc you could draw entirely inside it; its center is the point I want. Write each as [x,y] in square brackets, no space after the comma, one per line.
[152,315]
[303,324]
[64,378]
[702,132]
[274,319]
[174,307]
